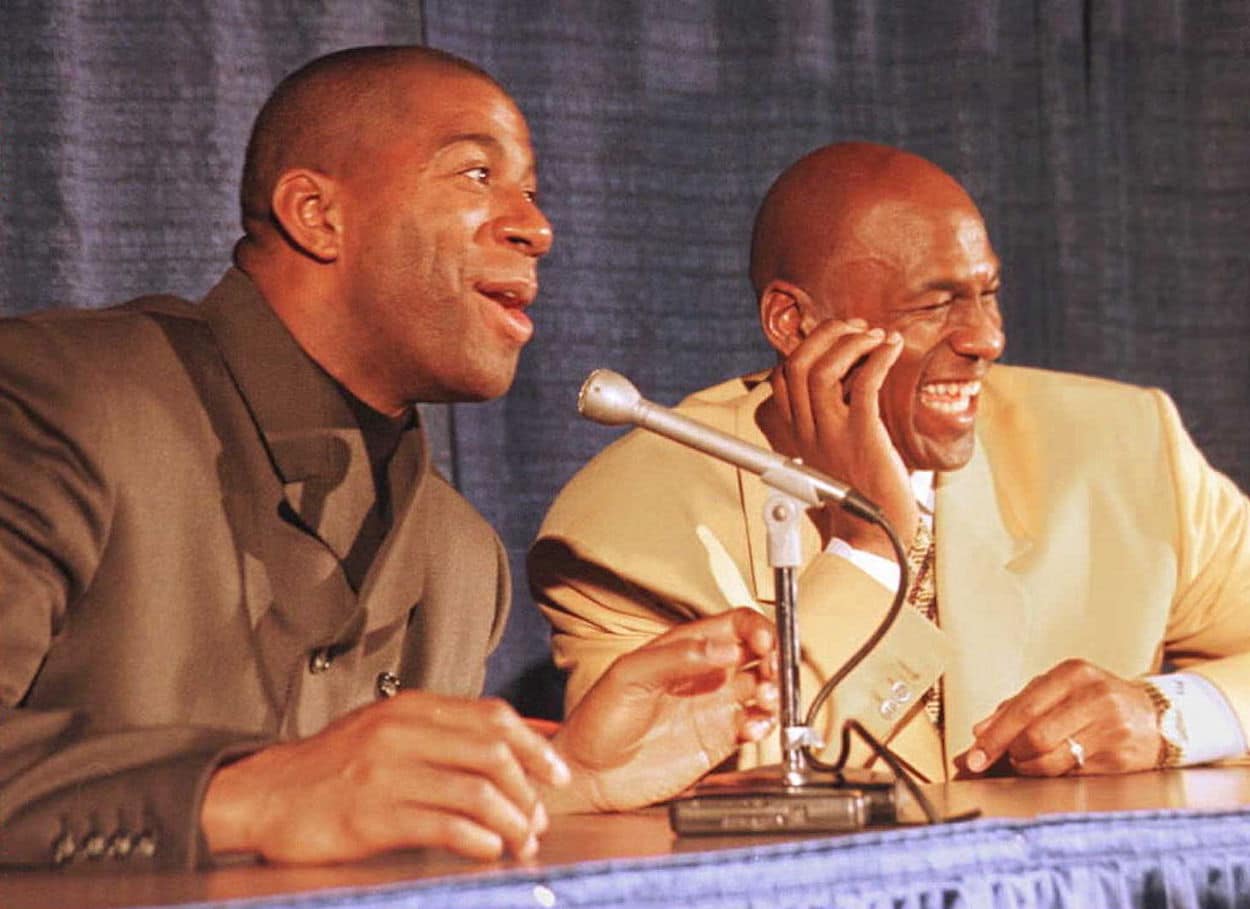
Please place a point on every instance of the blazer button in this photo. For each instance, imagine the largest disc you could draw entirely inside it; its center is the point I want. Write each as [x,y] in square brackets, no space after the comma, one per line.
[63,850]
[94,846]
[319,661]
[120,845]
[388,685]
[145,845]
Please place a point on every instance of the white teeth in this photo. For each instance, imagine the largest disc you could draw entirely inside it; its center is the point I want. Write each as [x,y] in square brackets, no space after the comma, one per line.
[949,397]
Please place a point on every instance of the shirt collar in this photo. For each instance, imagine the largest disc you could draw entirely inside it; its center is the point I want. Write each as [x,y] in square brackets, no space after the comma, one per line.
[299,409]
[922,489]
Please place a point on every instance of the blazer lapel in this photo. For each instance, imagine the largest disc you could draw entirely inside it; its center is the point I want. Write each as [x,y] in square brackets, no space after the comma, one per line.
[915,740]
[298,596]
[392,586]
[982,602]
[755,493]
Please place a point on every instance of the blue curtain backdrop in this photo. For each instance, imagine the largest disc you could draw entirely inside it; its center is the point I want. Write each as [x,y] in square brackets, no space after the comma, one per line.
[1107,141]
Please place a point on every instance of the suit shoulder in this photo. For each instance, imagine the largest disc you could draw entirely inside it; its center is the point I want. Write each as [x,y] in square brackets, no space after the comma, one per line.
[1071,400]
[642,475]
[460,517]
[80,369]
[96,332]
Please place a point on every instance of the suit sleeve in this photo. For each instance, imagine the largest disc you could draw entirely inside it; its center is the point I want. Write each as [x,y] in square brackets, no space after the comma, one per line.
[1209,627]
[73,794]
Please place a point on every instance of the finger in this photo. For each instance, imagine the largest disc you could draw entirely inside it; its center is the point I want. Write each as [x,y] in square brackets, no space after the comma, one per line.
[834,374]
[373,828]
[781,392]
[472,796]
[1057,761]
[755,725]
[498,722]
[1047,732]
[736,636]
[865,390]
[425,827]
[985,723]
[483,737]
[681,666]
[474,775]
[797,369]
[758,635]
[1012,718]
[750,691]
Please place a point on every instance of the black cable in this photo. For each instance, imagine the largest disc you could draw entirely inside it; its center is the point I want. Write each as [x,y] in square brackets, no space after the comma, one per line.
[851,725]
[904,579]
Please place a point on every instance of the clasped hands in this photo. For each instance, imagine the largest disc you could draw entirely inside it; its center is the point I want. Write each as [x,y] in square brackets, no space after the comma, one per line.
[422,769]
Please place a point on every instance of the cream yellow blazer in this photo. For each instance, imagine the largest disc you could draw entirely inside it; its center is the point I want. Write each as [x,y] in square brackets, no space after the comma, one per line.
[1087,525]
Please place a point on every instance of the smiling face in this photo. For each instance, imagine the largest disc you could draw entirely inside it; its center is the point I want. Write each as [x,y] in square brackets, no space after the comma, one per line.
[923,268]
[858,230]
[441,240]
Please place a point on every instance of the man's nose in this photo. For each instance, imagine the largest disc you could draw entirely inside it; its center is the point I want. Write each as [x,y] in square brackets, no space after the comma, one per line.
[979,332]
[524,226]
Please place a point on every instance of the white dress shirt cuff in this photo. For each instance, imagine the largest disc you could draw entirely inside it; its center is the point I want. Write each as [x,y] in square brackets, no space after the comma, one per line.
[1212,729]
[884,571]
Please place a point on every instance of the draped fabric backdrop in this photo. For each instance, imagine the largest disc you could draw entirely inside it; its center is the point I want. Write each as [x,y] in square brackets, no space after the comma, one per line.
[1107,142]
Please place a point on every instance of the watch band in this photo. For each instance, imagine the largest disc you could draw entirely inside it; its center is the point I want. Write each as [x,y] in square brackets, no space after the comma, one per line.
[1170,752]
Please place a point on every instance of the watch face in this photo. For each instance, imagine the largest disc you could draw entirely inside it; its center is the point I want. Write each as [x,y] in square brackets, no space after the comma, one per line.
[1172,727]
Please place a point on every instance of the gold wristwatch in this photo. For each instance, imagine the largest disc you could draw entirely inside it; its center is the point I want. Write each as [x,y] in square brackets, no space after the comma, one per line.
[1172,733]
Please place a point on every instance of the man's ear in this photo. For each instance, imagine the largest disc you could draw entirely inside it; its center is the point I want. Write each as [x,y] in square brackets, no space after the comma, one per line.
[785,315]
[305,204]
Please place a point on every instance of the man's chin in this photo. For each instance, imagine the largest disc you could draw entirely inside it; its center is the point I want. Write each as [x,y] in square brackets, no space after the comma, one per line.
[942,456]
[490,385]
[473,388]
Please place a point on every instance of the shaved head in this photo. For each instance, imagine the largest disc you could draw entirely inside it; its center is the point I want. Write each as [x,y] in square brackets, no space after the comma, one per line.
[390,221]
[857,231]
[814,215]
[321,115]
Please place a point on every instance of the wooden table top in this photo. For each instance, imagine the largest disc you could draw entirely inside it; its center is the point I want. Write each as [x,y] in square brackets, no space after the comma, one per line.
[581,838]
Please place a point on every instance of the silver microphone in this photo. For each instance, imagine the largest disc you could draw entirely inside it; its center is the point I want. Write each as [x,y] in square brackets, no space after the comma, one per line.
[610,398]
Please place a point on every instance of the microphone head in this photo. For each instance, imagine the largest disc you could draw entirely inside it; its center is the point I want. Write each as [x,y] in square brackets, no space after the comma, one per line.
[608,397]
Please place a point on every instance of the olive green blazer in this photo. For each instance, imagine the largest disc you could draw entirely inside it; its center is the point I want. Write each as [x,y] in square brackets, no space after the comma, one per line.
[178,487]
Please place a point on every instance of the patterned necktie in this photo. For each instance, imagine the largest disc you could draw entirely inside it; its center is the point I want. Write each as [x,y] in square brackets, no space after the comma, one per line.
[922,596]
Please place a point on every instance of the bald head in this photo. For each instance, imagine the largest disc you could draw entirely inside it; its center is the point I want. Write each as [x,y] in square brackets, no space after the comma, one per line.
[320,116]
[843,202]
[856,236]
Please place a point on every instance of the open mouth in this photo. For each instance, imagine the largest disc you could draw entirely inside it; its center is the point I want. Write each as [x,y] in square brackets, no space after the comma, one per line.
[954,398]
[505,297]
[511,298]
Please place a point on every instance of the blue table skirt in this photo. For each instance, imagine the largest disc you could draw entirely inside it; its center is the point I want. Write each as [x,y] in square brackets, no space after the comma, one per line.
[1144,858]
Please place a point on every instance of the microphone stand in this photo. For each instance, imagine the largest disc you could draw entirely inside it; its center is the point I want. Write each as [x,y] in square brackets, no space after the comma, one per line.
[781,516]
[802,798]
[808,794]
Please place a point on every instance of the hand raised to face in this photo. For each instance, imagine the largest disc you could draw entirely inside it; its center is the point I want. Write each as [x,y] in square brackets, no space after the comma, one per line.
[825,410]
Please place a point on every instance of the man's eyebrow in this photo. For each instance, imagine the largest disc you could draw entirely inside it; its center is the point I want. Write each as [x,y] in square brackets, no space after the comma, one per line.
[949,285]
[476,138]
[486,140]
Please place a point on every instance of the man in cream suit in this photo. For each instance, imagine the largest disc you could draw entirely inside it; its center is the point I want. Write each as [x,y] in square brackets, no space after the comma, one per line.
[1081,539]
[239,611]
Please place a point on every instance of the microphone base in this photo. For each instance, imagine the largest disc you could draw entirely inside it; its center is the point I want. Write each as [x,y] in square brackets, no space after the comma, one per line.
[761,801]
